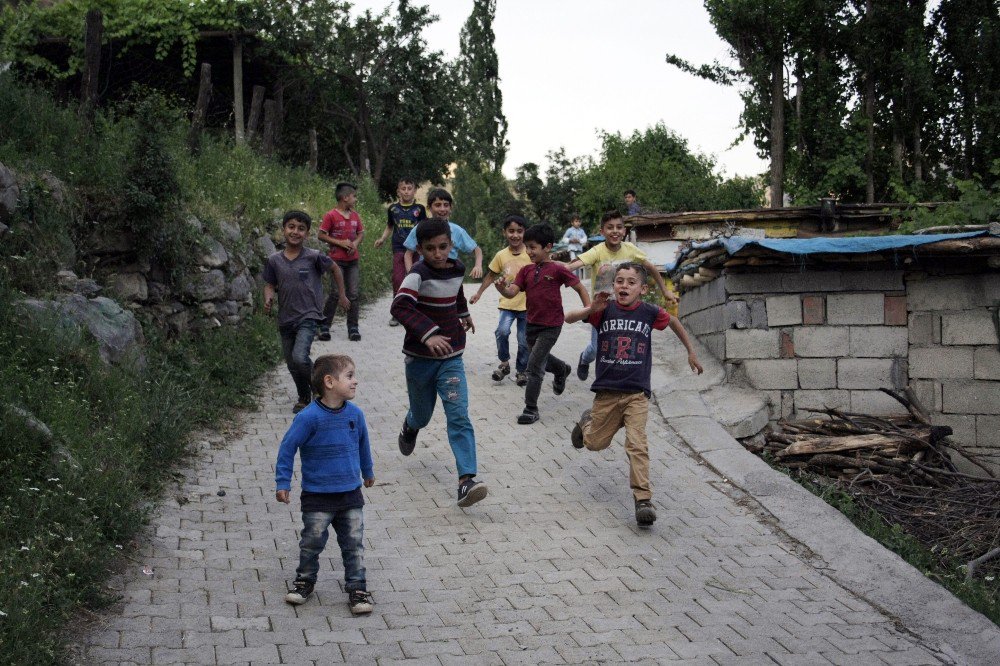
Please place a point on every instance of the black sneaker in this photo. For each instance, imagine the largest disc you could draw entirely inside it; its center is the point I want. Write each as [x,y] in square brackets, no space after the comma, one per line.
[502,371]
[360,602]
[559,383]
[407,438]
[323,336]
[521,379]
[577,435]
[645,514]
[527,417]
[471,491]
[301,590]
[582,369]
[354,335]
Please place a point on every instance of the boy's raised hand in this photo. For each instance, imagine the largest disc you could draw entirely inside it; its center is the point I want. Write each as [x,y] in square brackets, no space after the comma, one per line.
[600,301]
[282,496]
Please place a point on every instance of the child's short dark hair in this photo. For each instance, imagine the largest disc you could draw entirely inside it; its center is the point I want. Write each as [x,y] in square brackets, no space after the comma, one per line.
[540,233]
[299,215]
[514,219]
[406,180]
[611,215]
[344,189]
[429,229]
[328,364]
[439,193]
[639,269]
[632,192]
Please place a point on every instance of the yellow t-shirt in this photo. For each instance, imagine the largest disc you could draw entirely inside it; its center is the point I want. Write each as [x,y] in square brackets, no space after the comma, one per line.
[603,261]
[507,264]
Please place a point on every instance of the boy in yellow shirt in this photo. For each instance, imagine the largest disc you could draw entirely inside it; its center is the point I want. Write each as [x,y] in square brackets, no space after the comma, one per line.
[603,258]
[505,265]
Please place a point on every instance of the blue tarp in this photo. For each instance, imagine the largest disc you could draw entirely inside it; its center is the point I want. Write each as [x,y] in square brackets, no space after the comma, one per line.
[856,245]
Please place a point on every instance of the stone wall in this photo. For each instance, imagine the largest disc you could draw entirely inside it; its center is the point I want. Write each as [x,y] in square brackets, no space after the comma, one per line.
[819,339]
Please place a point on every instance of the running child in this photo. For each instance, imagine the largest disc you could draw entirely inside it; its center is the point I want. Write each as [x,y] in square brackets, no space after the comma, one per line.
[439,203]
[541,282]
[331,438]
[624,325]
[505,265]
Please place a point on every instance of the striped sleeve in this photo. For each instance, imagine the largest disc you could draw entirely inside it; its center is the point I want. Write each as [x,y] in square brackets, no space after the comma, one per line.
[404,308]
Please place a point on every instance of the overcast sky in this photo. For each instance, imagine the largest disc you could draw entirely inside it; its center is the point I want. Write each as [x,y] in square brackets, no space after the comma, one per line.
[571,68]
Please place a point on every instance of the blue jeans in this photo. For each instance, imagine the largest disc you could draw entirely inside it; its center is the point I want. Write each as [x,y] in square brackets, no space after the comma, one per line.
[590,351]
[426,379]
[349,525]
[507,318]
[296,342]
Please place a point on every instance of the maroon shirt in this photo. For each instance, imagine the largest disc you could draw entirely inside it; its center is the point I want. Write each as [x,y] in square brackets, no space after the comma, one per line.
[540,284]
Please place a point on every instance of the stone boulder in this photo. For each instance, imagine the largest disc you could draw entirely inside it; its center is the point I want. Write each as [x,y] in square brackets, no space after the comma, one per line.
[231,233]
[241,288]
[265,247]
[130,287]
[213,254]
[207,286]
[117,332]
[9,192]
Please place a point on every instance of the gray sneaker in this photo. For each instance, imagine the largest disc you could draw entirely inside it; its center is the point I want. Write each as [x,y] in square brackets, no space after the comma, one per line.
[471,491]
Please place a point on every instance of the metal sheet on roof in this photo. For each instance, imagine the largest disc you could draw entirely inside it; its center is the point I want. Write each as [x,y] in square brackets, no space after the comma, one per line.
[855,245]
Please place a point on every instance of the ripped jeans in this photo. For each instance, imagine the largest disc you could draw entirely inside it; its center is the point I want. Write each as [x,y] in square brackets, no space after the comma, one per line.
[426,379]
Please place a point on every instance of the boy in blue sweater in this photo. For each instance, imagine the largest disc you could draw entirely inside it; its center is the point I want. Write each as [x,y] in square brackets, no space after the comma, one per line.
[331,437]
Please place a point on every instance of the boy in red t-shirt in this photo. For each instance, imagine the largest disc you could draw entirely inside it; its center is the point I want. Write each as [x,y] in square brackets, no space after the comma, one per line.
[540,282]
[342,231]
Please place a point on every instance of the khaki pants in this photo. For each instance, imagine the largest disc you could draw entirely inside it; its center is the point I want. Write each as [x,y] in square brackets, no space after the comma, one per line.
[610,412]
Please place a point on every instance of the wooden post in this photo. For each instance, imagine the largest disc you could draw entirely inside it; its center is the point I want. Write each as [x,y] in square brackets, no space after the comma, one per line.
[198,119]
[269,127]
[279,102]
[256,102]
[238,88]
[92,62]
[313,150]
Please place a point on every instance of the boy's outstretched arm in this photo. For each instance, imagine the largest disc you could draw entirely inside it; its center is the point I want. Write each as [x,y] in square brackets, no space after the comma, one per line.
[678,329]
[330,240]
[508,289]
[599,303]
[584,296]
[575,264]
[477,268]
[660,284]
[487,281]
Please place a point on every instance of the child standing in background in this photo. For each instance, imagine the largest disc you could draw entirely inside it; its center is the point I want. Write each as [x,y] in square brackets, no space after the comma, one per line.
[576,239]
[342,231]
[403,216]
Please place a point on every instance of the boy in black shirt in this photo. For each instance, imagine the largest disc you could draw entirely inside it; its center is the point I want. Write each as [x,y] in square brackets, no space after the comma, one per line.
[402,217]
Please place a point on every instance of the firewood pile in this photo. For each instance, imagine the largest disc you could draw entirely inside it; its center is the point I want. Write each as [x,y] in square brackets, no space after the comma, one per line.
[903,469]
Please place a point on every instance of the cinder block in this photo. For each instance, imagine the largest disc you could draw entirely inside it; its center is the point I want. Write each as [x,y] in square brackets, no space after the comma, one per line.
[752,343]
[772,374]
[941,362]
[968,328]
[971,397]
[700,298]
[737,314]
[817,373]
[855,309]
[773,404]
[813,310]
[715,343]
[710,320]
[784,310]
[928,392]
[895,310]
[787,344]
[822,399]
[963,427]
[986,361]
[953,293]
[921,328]
[758,313]
[879,341]
[753,283]
[867,373]
[811,281]
[821,341]
[988,432]
[872,281]
[875,403]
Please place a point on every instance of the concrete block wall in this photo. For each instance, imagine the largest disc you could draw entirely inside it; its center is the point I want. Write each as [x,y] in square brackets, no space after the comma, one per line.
[954,357]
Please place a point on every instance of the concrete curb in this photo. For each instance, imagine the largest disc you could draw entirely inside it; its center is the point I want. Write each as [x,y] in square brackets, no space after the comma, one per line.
[853,560]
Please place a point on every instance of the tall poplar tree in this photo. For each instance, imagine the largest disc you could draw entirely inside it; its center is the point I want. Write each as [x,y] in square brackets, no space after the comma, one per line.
[485,144]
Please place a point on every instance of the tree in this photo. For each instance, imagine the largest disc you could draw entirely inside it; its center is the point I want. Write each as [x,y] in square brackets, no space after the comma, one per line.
[553,200]
[484,142]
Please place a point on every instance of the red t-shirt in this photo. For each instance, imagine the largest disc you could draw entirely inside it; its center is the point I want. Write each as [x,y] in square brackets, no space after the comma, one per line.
[342,226]
[541,283]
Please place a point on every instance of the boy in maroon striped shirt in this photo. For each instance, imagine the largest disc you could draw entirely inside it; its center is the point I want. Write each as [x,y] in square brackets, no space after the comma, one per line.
[541,282]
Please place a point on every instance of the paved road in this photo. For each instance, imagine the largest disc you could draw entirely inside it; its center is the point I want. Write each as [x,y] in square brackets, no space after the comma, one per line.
[550,568]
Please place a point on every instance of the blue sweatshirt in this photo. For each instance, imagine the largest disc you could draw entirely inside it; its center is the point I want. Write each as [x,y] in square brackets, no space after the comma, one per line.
[333,448]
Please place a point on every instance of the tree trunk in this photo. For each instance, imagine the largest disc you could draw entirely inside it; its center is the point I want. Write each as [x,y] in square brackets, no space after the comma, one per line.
[279,109]
[198,119]
[238,89]
[918,154]
[897,153]
[92,62]
[256,105]
[269,115]
[869,101]
[777,131]
[313,151]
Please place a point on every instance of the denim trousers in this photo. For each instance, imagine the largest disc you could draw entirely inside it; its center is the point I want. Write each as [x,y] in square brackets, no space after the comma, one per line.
[352,285]
[507,318]
[541,340]
[349,525]
[296,342]
[590,351]
[426,379]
